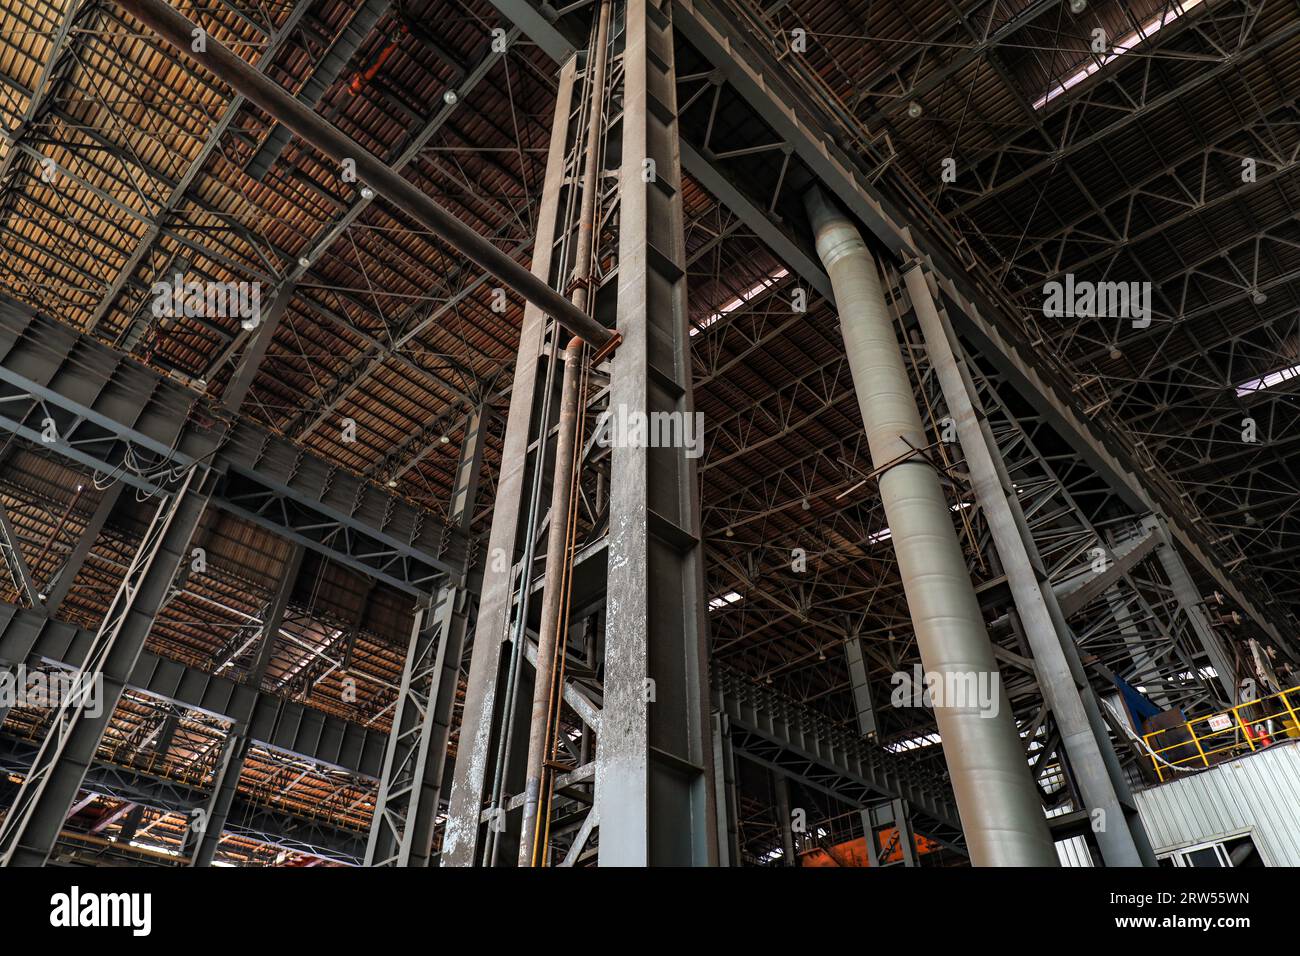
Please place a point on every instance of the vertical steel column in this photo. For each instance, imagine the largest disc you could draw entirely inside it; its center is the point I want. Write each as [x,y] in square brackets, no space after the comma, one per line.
[481,720]
[784,818]
[557,544]
[1056,660]
[1192,606]
[1001,813]
[33,823]
[906,836]
[724,785]
[204,840]
[410,788]
[654,788]
[861,686]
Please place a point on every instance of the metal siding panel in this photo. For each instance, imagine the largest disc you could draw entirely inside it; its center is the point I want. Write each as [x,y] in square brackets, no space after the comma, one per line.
[1259,792]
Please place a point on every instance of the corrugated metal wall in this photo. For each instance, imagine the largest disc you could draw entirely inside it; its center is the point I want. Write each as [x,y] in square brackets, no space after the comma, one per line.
[1259,793]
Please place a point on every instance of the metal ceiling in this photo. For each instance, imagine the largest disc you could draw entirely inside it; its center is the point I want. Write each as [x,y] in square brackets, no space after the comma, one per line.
[122,165]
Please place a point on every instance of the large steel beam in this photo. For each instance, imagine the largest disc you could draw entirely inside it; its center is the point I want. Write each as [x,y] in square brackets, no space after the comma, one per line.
[321,134]
[33,824]
[108,411]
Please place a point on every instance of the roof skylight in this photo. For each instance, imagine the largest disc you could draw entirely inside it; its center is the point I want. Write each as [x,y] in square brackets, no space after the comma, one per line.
[1144,33]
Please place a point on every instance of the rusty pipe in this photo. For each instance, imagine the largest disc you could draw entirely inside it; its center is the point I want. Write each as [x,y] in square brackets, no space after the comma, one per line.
[180,32]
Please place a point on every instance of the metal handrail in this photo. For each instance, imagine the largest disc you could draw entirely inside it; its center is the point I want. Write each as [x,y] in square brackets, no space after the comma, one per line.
[1219,736]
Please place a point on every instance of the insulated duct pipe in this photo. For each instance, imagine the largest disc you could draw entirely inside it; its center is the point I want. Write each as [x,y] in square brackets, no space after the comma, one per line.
[371,170]
[1001,813]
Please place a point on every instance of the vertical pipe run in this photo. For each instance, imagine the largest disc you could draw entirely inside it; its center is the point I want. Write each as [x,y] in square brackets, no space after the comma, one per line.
[565,463]
[1001,813]
[550,640]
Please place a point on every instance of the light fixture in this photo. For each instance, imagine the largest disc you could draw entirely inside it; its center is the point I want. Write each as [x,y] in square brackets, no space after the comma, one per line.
[915,109]
[392,482]
[1258,297]
[1078,6]
[444,439]
[450,97]
[806,505]
[730,533]
[1116,354]
[367,192]
[304,261]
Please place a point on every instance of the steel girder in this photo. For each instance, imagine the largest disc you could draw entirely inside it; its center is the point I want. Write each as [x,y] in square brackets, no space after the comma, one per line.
[79,398]
[653,770]
[276,723]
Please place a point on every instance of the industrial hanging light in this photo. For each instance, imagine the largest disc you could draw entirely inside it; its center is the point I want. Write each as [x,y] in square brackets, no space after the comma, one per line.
[915,109]
[1078,6]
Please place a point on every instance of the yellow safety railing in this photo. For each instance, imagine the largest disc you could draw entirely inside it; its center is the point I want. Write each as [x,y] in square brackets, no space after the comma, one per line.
[1205,741]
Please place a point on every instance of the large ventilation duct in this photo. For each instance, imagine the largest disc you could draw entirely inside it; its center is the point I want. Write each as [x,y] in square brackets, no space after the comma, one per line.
[1000,810]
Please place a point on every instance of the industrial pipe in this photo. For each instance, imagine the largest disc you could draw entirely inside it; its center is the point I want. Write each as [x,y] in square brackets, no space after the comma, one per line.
[550,636]
[181,32]
[1000,810]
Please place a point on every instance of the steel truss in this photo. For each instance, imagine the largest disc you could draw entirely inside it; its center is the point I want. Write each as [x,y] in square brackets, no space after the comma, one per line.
[127,421]
[410,788]
[32,825]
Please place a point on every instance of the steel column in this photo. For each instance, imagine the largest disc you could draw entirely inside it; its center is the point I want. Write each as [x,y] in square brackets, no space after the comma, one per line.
[653,780]
[999,805]
[410,789]
[33,824]
[523,452]
[1193,607]
[1056,663]
[724,785]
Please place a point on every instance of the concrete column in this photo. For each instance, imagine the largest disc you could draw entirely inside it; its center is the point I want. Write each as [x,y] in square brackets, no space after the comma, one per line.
[1001,813]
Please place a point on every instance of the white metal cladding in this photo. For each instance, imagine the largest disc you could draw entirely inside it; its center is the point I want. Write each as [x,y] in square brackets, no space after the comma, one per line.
[1258,793]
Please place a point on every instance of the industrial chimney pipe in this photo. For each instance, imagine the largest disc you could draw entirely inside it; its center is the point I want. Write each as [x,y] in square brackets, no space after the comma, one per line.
[1001,813]
[371,170]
